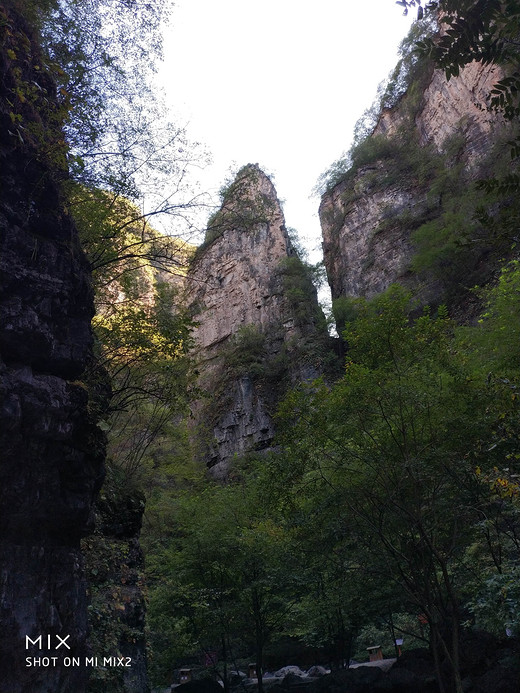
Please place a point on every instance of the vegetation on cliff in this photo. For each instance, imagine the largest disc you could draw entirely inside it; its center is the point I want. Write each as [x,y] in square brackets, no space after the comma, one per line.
[409,78]
[463,219]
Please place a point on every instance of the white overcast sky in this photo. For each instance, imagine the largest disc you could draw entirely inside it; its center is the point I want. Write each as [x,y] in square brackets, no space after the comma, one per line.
[280,83]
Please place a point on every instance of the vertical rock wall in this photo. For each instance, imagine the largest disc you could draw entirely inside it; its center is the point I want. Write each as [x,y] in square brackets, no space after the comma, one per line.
[51,463]
[455,105]
[368,218]
[237,288]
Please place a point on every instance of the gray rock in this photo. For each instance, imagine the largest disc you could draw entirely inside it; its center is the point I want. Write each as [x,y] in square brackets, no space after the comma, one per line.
[235,678]
[317,670]
[291,669]
[406,681]
[293,680]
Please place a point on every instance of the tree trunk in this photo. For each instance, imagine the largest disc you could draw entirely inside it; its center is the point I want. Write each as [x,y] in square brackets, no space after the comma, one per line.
[435,649]
[224,657]
[259,639]
[259,658]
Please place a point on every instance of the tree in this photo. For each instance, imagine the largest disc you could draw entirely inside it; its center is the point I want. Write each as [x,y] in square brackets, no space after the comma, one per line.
[127,165]
[143,337]
[224,578]
[395,445]
[102,55]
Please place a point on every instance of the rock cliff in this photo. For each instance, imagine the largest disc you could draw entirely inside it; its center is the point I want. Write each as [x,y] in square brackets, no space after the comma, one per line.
[52,453]
[451,106]
[401,176]
[259,323]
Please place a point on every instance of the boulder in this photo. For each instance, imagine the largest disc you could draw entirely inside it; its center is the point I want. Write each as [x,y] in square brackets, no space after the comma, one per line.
[418,661]
[293,680]
[360,680]
[235,678]
[500,679]
[317,670]
[404,681]
[291,669]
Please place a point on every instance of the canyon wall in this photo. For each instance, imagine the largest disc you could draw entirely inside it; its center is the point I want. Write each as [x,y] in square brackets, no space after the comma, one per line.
[457,105]
[369,217]
[259,323]
[51,464]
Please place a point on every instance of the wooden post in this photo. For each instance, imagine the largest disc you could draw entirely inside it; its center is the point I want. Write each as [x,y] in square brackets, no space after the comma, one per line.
[185,675]
[375,653]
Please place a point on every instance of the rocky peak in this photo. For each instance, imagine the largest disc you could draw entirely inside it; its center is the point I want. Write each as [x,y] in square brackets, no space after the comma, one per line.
[234,279]
[245,287]
[369,218]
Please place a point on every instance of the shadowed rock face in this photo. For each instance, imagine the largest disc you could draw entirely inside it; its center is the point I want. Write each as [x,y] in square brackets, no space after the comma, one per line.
[51,463]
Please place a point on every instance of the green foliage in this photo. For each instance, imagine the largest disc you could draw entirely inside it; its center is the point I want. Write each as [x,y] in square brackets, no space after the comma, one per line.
[393,493]
[34,113]
[98,58]
[247,352]
[299,289]
[468,224]
[443,247]
[486,32]
[142,339]
[344,309]
[101,55]
[396,445]
[412,69]
[378,162]
[142,335]
[497,337]
[114,570]
[477,30]
[222,582]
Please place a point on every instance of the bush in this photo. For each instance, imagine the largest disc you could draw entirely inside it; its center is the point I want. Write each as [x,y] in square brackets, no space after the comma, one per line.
[247,352]
[300,290]
[345,309]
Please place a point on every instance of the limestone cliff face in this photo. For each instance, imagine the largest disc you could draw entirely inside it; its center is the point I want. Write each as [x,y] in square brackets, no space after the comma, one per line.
[51,464]
[367,219]
[236,280]
[450,106]
[361,261]
[245,286]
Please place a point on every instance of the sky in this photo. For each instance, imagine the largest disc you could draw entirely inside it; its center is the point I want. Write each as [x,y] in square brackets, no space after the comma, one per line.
[280,83]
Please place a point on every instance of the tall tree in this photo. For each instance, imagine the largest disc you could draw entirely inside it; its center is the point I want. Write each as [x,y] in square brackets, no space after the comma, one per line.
[397,443]
[224,577]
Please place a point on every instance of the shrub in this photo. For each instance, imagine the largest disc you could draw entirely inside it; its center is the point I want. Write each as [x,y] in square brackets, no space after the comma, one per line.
[246,352]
